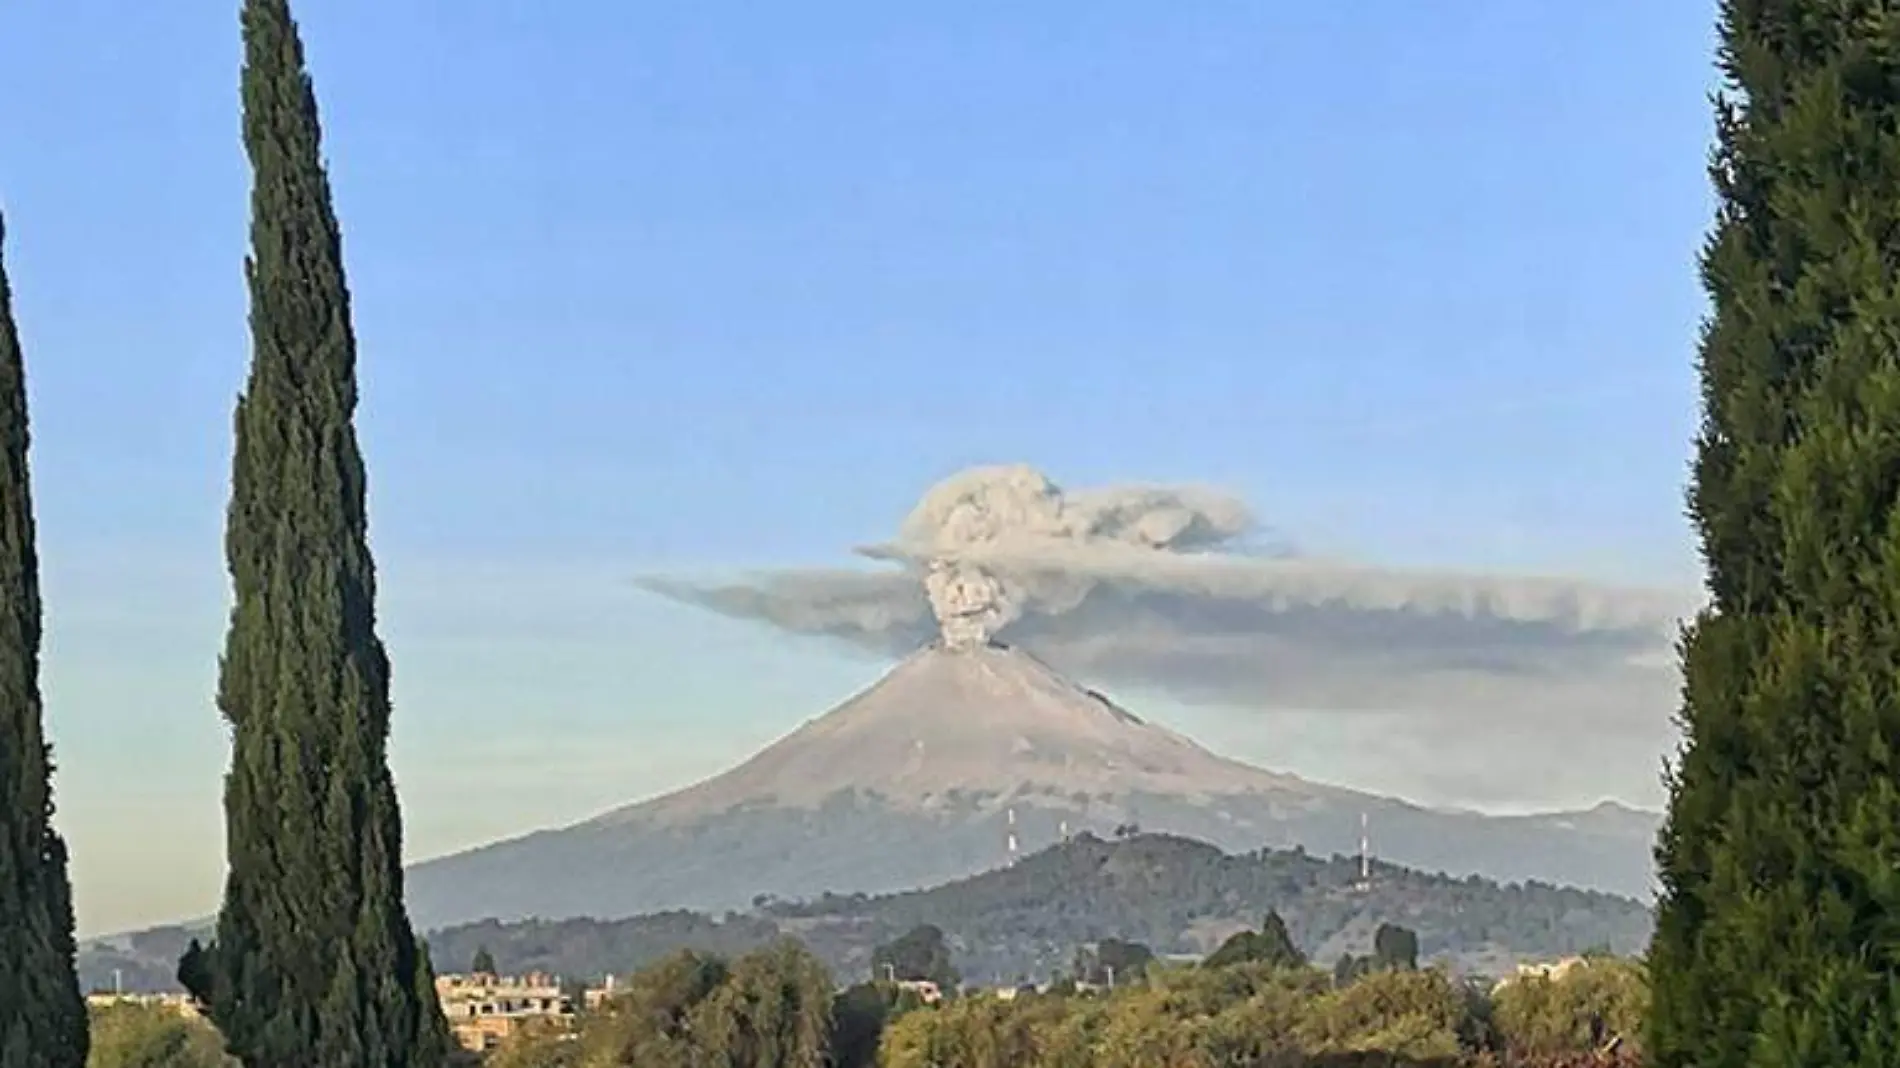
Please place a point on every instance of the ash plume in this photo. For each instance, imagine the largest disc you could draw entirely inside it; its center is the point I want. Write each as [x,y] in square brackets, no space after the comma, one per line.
[975,538]
[1175,590]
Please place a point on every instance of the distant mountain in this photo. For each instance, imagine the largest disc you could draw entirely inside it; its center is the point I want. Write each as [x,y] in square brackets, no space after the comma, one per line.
[137,962]
[1176,895]
[927,775]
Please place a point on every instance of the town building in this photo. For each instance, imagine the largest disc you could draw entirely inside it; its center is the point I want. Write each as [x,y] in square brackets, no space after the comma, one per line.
[925,991]
[486,1010]
[1551,971]
[182,1004]
[594,998]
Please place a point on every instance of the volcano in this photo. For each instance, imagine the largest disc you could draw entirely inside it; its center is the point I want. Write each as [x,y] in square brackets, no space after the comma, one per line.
[959,759]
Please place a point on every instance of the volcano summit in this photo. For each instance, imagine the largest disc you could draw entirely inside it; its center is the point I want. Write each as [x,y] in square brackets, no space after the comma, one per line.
[930,773]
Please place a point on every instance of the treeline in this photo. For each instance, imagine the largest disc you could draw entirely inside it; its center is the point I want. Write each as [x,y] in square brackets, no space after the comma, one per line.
[1257,1003]
[1260,1015]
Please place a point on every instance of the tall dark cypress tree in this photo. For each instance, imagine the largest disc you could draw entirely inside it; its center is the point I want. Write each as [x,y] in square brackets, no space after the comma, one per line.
[315,964]
[1778,933]
[42,1016]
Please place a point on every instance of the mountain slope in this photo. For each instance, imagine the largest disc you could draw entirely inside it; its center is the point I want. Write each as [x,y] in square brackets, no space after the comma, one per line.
[986,719]
[926,776]
[1176,895]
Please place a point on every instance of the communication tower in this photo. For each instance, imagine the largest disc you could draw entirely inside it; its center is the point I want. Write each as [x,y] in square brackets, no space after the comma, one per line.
[1365,854]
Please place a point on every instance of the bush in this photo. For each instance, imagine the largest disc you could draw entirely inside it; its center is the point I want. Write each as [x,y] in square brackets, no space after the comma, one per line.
[1580,1012]
[1412,1014]
[132,1035]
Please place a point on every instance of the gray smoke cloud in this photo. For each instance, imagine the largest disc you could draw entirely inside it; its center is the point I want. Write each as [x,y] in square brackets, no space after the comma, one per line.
[1176,590]
[996,543]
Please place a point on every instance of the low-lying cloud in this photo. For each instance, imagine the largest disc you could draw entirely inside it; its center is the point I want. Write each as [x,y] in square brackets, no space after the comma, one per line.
[1171,589]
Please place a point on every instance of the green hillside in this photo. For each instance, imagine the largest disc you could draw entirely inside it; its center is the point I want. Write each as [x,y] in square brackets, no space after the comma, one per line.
[1176,895]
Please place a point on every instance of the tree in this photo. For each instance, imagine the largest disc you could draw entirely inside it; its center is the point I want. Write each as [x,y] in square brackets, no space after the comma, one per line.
[968,1033]
[541,1045]
[1394,948]
[1348,969]
[773,1011]
[858,1015]
[1774,938]
[921,954]
[42,1015]
[315,964]
[1413,1017]
[1276,944]
[1271,945]
[1112,962]
[484,962]
[655,1021]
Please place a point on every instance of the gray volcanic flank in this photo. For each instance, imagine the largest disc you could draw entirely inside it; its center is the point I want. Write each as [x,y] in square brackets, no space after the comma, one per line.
[981,719]
[925,777]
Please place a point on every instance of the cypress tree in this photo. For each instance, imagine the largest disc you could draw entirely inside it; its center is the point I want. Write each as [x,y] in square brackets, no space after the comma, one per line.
[42,1015]
[314,964]
[1778,930]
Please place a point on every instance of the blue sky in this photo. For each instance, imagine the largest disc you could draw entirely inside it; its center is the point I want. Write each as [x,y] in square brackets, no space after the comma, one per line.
[643,287]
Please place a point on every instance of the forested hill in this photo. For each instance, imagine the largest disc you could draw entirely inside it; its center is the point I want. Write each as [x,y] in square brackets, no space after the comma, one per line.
[1176,895]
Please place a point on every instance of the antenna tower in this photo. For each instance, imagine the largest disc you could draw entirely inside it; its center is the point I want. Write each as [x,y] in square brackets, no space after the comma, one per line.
[1365,854]
[1009,841]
